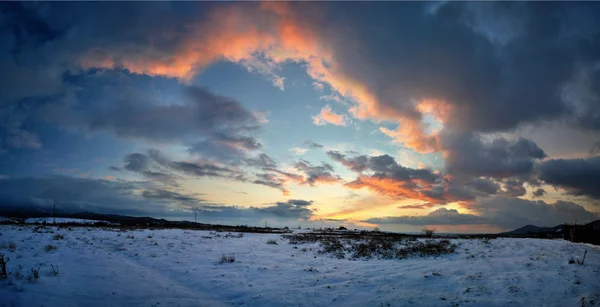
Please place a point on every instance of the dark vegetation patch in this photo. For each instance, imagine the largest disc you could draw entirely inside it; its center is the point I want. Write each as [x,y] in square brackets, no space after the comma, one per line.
[368,245]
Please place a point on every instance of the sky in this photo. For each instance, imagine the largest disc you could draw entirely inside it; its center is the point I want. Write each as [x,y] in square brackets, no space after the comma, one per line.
[458,116]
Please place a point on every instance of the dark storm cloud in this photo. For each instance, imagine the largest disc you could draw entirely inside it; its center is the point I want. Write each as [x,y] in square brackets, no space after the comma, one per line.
[293,208]
[577,176]
[496,57]
[514,187]
[516,212]
[119,103]
[507,213]
[499,158]
[71,194]
[485,185]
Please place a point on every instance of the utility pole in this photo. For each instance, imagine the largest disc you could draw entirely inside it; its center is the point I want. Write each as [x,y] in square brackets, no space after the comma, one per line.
[195,216]
[54,214]
[266,224]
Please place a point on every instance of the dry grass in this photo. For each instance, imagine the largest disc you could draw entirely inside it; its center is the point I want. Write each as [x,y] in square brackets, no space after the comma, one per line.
[227,258]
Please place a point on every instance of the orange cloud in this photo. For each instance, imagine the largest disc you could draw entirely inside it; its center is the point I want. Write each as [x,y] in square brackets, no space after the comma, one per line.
[392,188]
[327,116]
[261,37]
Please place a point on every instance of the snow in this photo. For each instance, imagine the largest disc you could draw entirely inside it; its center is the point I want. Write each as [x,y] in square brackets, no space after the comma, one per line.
[5,219]
[105,267]
[62,220]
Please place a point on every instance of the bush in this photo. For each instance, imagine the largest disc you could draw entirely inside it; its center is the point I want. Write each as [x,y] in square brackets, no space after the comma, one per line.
[332,245]
[54,270]
[58,236]
[48,248]
[35,275]
[578,261]
[428,232]
[3,273]
[227,258]
[12,246]
[272,241]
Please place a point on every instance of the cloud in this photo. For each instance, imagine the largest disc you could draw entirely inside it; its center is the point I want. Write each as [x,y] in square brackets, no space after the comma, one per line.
[157,167]
[298,151]
[285,211]
[441,216]
[485,185]
[417,206]
[272,181]
[507,213]
[498,158]
[71,194]
[595,149]
[293,208]
[261,161]
[317,174]
[313,145]
[129,106]
[23,139]
[385,176]
[514,188]
[515,212]
[357,164]
[392,179]
[539,192]
[327,116]
[166,195]
[486,77]
[577,176]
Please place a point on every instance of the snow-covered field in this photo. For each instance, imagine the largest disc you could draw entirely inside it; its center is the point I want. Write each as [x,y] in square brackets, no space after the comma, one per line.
[99,267]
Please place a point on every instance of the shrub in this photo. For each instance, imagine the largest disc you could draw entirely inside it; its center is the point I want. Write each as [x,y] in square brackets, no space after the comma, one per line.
[227,258]
[272,241]
[428,232]
[12,246]
[35,275]
[58,236]
[54,270]
[50,247]
[578,261]
[332,245]
[3,273]
[427,248]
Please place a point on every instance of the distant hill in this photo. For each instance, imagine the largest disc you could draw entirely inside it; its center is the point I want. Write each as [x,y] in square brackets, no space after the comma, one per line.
[535,230]
[531,229]
[131,221]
